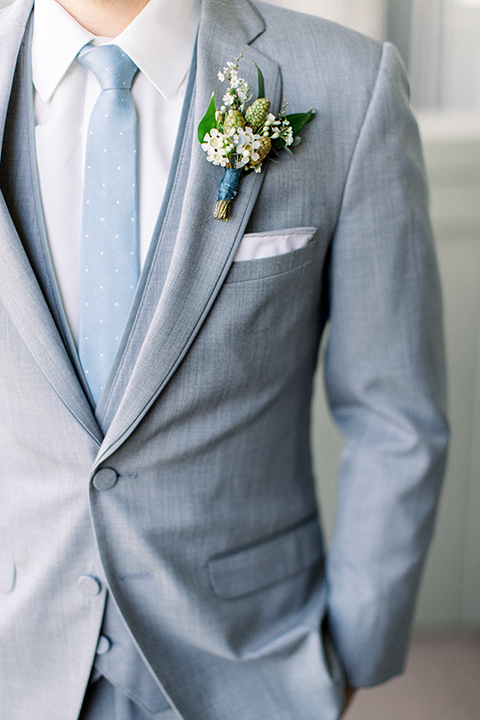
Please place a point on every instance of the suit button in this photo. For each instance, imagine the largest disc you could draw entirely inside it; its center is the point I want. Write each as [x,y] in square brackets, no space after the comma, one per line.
[89,585]
[105,479]
[104,645]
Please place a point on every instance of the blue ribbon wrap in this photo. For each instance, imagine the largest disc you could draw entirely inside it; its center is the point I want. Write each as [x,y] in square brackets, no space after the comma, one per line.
[229,185]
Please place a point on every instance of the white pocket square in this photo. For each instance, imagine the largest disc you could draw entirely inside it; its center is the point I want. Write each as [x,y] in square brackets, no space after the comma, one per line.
[255,246]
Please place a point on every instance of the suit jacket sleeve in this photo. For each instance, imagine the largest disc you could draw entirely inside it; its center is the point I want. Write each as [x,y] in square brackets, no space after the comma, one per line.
[384,376]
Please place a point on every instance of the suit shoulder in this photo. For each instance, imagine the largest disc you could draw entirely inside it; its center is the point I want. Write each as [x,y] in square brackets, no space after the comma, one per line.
[313,41]
[15,15]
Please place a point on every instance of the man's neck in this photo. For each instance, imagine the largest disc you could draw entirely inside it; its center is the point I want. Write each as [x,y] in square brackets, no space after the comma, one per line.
[105,18]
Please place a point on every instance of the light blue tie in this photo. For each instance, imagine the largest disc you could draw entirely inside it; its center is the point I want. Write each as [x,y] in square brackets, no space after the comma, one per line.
[109,256]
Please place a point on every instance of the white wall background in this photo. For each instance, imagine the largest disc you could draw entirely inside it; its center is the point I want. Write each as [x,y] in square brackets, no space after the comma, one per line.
[445,54]
[445,51]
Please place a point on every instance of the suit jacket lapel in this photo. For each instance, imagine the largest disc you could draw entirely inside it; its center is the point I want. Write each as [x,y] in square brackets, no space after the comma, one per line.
[12,30]
[19,290]
[204,247]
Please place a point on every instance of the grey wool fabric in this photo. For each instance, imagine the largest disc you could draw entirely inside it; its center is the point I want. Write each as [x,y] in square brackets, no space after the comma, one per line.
[187,498]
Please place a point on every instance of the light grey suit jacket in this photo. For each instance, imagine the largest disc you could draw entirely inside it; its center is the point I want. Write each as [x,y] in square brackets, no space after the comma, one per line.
[189,493]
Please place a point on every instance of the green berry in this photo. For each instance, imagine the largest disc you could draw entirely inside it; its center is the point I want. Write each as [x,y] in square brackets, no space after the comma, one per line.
[233,121]
[257,113]
[263,150]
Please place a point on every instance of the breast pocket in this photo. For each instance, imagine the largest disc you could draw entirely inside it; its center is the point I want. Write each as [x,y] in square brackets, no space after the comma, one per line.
[256,246]
[267,254]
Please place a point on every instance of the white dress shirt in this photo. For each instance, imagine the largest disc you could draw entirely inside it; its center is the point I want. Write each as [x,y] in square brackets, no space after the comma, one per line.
[160,40]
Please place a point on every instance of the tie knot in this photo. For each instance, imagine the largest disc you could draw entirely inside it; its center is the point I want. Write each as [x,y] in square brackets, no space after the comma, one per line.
[110,64]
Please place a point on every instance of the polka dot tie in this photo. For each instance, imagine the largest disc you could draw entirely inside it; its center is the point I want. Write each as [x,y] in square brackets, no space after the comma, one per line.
[109,257]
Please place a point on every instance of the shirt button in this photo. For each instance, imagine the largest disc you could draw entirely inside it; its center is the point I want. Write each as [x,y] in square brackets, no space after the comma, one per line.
[105,479]
[89,585]
[104,645]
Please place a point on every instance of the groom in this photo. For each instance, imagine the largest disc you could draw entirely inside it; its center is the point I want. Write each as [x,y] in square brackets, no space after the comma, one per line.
[161,553]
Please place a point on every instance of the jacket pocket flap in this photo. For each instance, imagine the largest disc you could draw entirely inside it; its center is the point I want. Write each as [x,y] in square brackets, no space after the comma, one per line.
[256,567]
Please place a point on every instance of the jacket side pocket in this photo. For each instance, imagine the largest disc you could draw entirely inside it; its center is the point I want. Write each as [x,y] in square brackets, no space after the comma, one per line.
[255,567]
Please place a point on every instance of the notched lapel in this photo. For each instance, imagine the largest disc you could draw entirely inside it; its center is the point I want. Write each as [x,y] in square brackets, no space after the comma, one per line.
[204,247]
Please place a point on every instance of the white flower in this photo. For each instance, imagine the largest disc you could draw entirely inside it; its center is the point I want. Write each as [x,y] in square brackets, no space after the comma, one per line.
[239,92]
[242,95]
[214,139]
[217,156]
[239,139]
[253,138]
[217,146]
[216,160]
[244,160]
[214,151]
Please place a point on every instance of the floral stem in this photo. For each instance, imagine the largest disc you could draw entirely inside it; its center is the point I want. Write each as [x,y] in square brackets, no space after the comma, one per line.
[222,209]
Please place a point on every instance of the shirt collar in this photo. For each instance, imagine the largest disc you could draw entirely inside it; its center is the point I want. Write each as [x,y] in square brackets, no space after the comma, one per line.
[160,40]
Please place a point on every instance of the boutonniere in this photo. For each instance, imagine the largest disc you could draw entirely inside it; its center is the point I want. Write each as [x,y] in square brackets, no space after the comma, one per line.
[243,133]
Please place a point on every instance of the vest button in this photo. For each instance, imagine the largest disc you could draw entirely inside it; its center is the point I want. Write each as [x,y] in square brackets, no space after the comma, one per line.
[104,645]
[105,479]
[89,585]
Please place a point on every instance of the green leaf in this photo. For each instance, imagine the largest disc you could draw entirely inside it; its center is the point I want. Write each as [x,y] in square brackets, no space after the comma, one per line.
[261,83]
[299,120]
[208,122]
